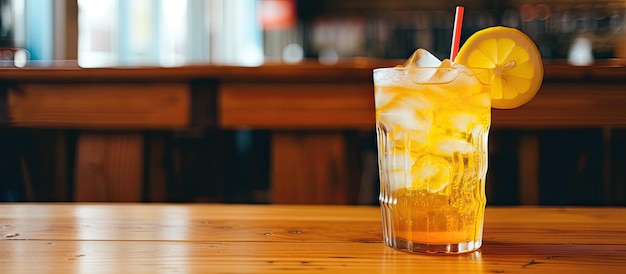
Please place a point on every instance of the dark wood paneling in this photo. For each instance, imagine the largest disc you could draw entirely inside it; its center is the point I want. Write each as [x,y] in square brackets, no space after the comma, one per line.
[100,105]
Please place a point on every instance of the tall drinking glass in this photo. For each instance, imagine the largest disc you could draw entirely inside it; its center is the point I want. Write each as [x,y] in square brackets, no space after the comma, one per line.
[432,126]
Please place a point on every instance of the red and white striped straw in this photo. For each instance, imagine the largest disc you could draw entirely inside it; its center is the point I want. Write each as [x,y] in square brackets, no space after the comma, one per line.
[456,32]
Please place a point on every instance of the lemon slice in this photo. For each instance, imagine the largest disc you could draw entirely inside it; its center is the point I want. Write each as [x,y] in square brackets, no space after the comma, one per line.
[432,173]
[514,58]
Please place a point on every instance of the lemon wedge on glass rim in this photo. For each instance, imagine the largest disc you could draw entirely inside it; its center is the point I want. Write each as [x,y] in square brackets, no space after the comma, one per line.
[515,61]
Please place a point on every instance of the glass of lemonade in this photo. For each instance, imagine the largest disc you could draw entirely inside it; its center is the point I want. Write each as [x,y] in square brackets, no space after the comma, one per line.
[432,125]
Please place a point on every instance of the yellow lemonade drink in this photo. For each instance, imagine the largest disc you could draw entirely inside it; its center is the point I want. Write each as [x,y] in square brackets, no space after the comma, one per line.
[432,121]
[432,126]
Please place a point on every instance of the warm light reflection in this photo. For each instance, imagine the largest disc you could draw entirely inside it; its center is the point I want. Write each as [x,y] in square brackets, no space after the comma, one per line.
[174,223]
[97,20]
[172,32]
[394,261]
[117,222]
[168,32]
[112,234]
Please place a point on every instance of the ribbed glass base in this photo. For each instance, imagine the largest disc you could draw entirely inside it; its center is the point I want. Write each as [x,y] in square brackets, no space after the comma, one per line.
[412,247]
[393,236]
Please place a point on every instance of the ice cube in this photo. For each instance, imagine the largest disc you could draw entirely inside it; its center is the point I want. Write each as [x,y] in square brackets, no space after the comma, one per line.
[389,77]
[445,73]
[412,113]
[397,180]
[465,82]
[399,160]
[461,121]
[418,137]
[441,93]
[422,58]
[398,163]
[479,101]
[412,140]
[448,147]
[457,79]
[383,96]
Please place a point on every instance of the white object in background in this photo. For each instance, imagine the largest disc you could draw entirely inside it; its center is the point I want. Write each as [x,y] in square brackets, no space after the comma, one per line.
[328,57]
[293,53]
[581,52]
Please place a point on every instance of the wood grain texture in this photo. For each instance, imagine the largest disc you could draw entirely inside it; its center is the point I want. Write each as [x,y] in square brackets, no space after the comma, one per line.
[109,167]
[100,105]
[240,257]
[351,106]
[200,238]
[296,105]
[568,105]
[528,167]
[156,171]
[309,168]
[307,95]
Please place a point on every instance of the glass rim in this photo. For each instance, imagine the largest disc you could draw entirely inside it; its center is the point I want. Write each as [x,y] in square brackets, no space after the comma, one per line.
[396,74]
[430,68]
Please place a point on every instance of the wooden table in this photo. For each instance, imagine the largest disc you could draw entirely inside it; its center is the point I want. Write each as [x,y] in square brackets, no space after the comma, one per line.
[216,238]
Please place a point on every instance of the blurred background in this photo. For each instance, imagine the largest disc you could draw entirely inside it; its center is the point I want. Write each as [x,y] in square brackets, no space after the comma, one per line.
[201,166]
[252,32]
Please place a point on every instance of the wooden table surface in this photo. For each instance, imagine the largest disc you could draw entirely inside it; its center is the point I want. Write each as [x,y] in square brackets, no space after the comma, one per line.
[210,238]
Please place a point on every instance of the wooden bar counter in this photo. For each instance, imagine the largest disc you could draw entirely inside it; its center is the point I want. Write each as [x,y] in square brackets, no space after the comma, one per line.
[219,238]
[308,108]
